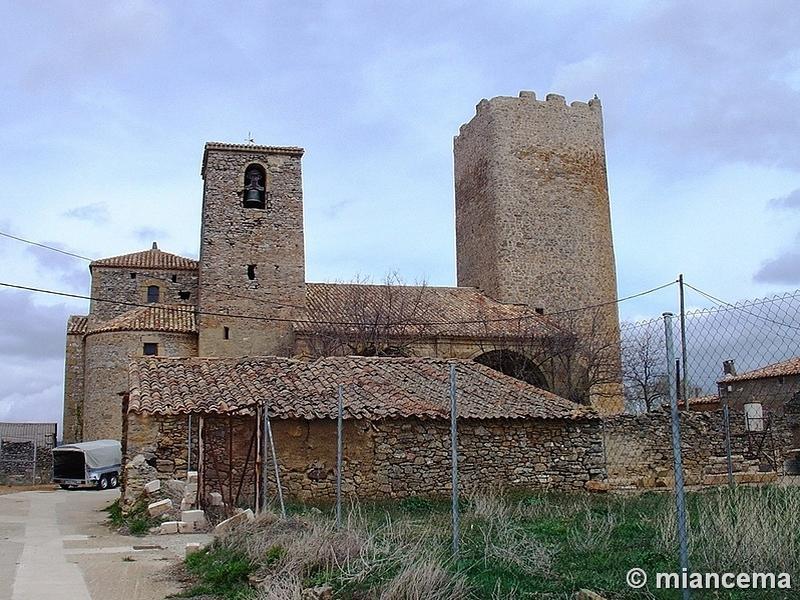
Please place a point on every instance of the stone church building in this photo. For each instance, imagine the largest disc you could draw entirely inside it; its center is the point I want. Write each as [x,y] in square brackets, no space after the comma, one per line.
[533,240]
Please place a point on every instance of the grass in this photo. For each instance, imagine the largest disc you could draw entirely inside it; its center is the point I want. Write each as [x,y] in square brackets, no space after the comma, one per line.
[513,546]
[137,521]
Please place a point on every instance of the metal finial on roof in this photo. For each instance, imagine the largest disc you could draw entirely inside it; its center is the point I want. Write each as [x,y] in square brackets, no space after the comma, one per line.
[155,246]
[250,139]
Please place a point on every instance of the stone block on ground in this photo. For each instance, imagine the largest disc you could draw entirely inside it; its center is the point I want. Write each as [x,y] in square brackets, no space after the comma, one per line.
[193,516]
[193,547]
[215,499]
[191,477]
[156,509]
[594,485]
[186,527]
[234,521]
[152,486]
[186,504]
[168,527]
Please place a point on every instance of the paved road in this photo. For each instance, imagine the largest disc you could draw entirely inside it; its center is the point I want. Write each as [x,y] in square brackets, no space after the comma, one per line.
[53,544]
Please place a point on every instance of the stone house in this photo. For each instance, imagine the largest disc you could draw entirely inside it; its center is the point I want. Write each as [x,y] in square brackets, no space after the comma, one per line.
[396,427]
[772,386]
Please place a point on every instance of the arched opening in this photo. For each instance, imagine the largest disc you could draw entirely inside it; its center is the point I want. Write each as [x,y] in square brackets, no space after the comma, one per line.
[515,365]
[254,194]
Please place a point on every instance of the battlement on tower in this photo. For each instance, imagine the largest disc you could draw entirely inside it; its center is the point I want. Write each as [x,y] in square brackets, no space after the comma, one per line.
[552,104]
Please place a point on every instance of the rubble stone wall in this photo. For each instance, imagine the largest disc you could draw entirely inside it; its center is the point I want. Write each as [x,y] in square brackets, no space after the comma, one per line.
[382,459]
[116,283]
[639,447]
[108,355]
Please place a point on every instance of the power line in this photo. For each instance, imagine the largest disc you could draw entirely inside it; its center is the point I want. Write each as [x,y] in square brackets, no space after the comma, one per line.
[739,308]
[281,305]
[40,245]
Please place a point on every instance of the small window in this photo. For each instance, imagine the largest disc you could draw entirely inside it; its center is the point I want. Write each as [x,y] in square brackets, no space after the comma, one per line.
[226,333]
[153,293]
[150,349]
[184,295]
[174,279]
[251,272]
[254,192]
[133,275]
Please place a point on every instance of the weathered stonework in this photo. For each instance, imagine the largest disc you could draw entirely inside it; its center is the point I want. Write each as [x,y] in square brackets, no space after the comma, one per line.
[533,222]
[109,353]
[393,458]
[639,447]
[73,388]
[268,241]
[116,283]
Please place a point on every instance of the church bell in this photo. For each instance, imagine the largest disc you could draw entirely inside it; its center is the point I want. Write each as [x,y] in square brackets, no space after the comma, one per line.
[253,198]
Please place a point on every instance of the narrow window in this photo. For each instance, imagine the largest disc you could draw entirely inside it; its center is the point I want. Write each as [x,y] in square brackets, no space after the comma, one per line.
[174,279]
[251,272]
[184,295]
[226,333]
[254,193]
[150,349]
[133,275]
[153,293]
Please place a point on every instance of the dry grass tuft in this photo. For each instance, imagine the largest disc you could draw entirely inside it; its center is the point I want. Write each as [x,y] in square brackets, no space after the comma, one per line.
[425,579]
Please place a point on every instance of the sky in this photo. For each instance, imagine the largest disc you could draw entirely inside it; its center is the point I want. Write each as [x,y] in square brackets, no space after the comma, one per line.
[105,107]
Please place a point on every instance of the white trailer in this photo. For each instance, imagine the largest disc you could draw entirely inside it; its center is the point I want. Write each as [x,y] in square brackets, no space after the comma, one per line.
[96,463]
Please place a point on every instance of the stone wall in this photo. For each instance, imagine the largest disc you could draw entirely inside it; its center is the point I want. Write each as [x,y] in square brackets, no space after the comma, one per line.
[73,389]
[17,463]
[107,358]
[383,459]
[116,283]
[639,447]
[156,448]
[234,237]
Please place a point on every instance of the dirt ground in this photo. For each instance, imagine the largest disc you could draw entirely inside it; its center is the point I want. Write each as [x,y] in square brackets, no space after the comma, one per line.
[56,544]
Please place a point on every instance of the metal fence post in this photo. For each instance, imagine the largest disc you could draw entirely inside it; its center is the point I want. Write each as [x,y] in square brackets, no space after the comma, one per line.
[34,462]
[454,458]
[189,445]
[680,493]
[726,415]
[684,369]
[339,448]
[274,461]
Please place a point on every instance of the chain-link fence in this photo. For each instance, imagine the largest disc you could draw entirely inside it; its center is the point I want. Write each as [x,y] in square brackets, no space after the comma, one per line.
[26,456]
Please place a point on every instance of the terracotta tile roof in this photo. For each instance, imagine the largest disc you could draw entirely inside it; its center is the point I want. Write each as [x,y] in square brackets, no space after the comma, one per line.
[174,318]
[77,324]
[701,400]
[786,367]
[148,259]
[446,311]
[374,388]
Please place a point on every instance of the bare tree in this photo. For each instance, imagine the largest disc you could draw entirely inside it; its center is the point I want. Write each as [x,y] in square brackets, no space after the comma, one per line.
[365,319]
[578,356]
[643,367]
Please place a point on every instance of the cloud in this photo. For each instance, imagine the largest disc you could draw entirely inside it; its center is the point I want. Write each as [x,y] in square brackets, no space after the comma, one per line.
[790,201]
[151,234]
[71,271]
[784,270]
[93,213]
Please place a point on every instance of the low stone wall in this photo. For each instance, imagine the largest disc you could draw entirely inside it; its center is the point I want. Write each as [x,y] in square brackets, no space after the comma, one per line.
[639,447]
[382,459]
[17,463]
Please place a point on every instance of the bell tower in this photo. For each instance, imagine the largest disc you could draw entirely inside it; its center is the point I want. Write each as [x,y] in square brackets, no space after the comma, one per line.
[252,264]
